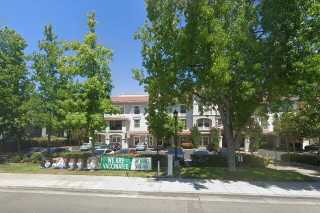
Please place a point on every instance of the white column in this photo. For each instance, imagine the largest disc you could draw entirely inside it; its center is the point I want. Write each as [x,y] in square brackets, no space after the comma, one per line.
[220,142]
[278,141]
[305,142]
[43,132]
[247,144]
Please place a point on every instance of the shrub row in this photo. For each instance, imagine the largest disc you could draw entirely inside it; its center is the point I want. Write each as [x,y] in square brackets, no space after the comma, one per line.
[302,158]
[219,160]
[37,157]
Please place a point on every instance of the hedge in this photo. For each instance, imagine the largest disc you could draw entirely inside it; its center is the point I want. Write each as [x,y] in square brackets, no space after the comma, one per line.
[222,161]
[209,160]
[302,158]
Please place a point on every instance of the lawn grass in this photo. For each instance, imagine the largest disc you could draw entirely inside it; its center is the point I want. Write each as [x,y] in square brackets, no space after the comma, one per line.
[244,174]
[219,173]
[31,168]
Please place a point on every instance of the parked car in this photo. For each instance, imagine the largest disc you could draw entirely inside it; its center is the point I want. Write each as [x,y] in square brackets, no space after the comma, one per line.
[201,152]
[313,147]
[29,151]
[114,146]
[180,152]
[52,150]
[85,146]
[141,147]
[102,151]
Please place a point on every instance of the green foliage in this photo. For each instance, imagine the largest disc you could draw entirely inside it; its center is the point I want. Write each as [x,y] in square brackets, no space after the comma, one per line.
[249,161]
[215,134]
[79,155]
[50,80]
[36,157]
[236,55]
[90,99]
[209,160]
[301,158]
[195,136]
[15,86]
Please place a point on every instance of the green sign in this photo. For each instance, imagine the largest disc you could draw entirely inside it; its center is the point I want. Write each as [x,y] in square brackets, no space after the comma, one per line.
[117,163]
[125,163]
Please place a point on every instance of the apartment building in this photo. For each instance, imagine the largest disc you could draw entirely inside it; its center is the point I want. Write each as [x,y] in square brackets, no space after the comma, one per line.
[130,127]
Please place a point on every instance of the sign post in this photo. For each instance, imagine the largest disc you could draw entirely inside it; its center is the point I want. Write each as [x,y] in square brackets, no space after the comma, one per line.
[170,164]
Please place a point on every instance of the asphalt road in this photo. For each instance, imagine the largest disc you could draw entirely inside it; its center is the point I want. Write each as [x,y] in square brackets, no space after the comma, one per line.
[22,201]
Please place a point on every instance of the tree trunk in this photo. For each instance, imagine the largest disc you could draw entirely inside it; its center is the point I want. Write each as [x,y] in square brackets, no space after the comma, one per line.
[228,133]
[49,137]
[92,141]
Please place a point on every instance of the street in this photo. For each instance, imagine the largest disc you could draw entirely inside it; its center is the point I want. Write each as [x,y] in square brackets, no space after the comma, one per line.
[28,201]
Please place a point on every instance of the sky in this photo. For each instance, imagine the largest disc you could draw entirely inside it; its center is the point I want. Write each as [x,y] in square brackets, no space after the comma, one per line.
[117,21]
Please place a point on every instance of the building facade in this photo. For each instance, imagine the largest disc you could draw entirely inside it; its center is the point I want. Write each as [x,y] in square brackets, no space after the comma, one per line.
[130,127]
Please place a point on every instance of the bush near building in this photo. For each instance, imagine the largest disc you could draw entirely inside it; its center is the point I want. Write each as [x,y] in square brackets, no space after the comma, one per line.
[313,160]
[243,160]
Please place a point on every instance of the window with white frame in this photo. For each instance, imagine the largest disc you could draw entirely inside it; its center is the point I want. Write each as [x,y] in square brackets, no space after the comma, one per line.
[115,138]
[150,141]
[204,140]
[204,123]
[136,110]
[136,140]
[183,109]
[137,123]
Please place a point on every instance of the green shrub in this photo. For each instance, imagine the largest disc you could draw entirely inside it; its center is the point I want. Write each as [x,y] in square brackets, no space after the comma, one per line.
[15,158]
[36,157]
[252,161]
[302,158]
[222,161]
[81,155]
[209,160]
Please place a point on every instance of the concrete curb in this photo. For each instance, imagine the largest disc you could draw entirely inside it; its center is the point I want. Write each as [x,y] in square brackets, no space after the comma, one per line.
[187,195]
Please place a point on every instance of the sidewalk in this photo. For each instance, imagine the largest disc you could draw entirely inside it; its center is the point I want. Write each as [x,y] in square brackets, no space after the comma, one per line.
[108,184]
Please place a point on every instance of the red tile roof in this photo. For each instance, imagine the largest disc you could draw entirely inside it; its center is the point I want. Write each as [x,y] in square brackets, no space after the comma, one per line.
[130,99]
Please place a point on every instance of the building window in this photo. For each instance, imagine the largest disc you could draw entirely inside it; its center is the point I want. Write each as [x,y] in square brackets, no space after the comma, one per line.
[218,121]
[136,140]
[136,110]
[204,140]
[150,141]
[137,123]
[184,123]
[115,139]
[121,109]
[200,109]
[115,125]
[204,122]
[183,109]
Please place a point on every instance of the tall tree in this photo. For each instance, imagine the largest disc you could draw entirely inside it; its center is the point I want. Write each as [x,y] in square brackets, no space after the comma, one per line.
[207,50]
[236,55]
[90,61]
[15,87]
[50,80]
[292,46]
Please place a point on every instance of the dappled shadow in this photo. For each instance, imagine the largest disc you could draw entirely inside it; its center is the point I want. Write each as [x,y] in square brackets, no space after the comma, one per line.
[197,184]
[247,187]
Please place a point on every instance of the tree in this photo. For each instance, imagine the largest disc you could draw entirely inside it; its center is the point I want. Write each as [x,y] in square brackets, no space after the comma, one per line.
[208,50]
[195,136]
[15,87]
[236,55]
[51,80]
[292,45]
[215,134]
[89,61]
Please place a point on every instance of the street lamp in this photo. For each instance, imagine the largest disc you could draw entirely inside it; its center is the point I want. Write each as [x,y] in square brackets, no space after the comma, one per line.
[175,115]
